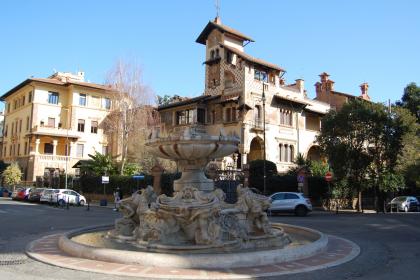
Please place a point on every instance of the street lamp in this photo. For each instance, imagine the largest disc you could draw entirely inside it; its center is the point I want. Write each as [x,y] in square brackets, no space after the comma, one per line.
[264,172]
[67,145]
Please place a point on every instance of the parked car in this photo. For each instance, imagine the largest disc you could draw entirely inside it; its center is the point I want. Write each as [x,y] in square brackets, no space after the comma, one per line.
[403,203]
[24,195]
[291,202]
[35,194]
[47,195]
[63,196]
[5,192]
[21,193]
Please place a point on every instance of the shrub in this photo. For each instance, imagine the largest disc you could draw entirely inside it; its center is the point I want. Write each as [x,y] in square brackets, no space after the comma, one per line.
[256,173]
[282,183]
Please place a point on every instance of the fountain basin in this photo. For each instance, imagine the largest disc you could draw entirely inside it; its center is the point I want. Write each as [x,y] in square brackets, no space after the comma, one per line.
[192,149]
[84,243]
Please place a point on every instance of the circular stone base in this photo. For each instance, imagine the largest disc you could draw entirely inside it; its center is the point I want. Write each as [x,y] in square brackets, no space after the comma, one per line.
[248,256]
[336,251]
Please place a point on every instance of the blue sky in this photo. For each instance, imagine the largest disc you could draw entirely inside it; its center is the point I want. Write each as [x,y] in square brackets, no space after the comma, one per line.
[377,41]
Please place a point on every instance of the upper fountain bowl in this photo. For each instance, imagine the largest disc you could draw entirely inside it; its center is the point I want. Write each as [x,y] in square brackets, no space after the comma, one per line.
[190,144]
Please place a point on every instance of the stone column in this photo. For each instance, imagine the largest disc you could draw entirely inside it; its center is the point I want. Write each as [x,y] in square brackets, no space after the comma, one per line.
[55,142]
[37,142]
[72,152]
[157,171]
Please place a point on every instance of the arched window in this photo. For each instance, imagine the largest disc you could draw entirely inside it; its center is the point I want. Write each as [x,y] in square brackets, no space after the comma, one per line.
[217,53]
[286,153]
[212,54]
[229,79]
[292,157]
[257,113]
[280,152]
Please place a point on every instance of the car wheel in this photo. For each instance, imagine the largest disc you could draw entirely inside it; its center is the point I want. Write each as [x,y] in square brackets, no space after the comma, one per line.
[82,203]
[301,211]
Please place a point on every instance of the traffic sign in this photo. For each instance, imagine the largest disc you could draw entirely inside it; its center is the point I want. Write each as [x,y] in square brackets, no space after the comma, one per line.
[105,179]
[138,177]
[300,178]
[328,176]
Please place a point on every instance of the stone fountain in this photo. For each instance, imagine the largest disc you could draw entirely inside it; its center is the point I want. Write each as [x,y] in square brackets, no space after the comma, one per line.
[196,218]
[194,230]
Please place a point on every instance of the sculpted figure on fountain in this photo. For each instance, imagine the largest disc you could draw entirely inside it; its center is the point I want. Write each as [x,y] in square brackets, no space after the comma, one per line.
[253,206]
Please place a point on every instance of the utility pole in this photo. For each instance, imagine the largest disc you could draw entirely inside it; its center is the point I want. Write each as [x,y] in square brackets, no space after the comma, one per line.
[67,144]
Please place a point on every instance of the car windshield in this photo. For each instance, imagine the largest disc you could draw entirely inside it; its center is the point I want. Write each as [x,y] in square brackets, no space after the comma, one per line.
[399,199]
[48,191]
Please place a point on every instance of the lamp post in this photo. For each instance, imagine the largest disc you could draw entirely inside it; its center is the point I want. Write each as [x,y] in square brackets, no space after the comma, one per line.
[67,145]
[264,172]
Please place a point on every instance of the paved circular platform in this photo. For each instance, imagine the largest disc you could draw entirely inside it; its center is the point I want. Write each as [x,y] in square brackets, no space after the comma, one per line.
[338,251]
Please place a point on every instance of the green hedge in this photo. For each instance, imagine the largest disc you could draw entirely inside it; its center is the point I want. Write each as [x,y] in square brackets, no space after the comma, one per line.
[317,187]
[256,174]
[92,184]
[128,185]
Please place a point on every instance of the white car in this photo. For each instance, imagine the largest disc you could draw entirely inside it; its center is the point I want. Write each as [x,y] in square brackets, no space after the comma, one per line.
[291,202]
[63,196]
[46,196]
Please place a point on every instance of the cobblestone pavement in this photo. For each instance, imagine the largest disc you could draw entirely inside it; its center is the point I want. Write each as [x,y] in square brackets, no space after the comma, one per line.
[389,242]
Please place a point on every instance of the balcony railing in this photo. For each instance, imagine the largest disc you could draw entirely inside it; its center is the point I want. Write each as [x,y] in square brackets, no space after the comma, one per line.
[46,157]
[257,124]
[57,131]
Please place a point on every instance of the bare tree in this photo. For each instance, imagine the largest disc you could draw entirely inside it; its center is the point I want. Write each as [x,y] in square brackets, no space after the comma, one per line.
[132,114]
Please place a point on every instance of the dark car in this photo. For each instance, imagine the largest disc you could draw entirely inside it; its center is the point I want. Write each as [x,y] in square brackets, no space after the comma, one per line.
[403,203]
[5,192]
[35,195]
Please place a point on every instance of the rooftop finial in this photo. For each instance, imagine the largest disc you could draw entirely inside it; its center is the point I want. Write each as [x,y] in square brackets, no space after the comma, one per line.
[217,6]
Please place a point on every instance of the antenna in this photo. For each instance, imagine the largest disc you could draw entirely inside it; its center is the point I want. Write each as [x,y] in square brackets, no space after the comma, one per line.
[217,6]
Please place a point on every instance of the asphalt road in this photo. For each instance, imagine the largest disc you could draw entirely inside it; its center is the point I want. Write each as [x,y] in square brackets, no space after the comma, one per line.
[390,243]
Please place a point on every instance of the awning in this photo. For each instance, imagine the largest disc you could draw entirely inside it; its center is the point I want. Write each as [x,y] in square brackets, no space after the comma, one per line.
[82,162]
[299,102]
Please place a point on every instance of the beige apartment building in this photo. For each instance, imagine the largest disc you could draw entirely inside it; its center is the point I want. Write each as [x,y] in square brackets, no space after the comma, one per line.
[52,123]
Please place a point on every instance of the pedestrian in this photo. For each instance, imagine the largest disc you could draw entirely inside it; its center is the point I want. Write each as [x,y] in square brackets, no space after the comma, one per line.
[117,199]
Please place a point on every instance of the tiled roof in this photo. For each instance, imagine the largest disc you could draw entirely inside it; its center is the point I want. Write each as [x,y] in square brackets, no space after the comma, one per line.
[345,94]
[252,59]
[55,82]
[189,101]
[213,25]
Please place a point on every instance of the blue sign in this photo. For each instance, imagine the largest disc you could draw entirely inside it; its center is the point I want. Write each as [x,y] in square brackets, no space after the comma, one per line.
[300,179]
[138,177]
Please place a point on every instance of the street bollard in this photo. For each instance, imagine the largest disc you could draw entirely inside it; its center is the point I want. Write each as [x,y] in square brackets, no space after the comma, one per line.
[88,206]
[68,202]
[336,208]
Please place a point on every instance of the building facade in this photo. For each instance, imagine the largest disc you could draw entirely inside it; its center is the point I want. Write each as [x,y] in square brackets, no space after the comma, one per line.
[243,96]
[50,124]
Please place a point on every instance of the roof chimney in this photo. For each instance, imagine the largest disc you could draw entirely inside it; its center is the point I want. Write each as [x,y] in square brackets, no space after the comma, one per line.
[364,89]
[300,84]
[324,77]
